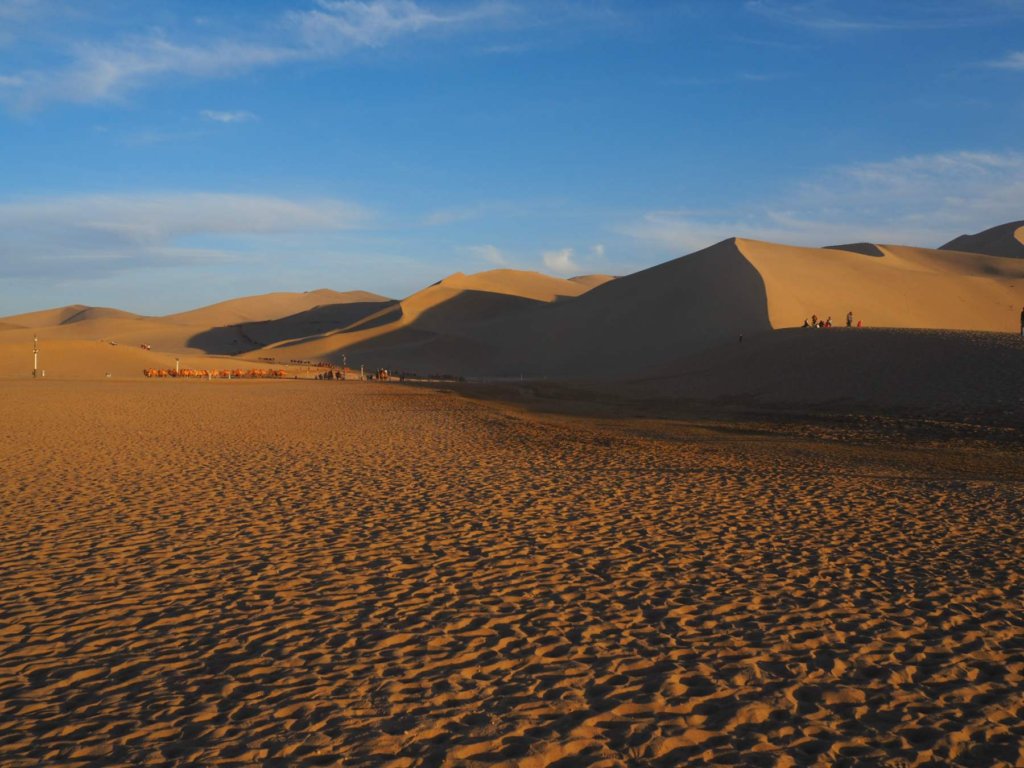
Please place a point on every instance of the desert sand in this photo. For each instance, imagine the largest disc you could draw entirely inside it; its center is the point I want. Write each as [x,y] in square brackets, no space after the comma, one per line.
[304,573]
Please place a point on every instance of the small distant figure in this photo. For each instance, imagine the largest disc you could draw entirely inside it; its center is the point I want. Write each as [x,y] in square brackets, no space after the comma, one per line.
[849,318]
[814,321]
[828,322]
[858,323]
[805,325]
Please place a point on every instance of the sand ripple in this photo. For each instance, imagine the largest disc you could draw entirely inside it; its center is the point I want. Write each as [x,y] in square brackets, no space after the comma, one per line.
[303,574]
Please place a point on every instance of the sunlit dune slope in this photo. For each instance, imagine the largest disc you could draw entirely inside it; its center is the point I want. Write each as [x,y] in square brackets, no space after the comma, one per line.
[1005,240]
[74,313]
[903,288]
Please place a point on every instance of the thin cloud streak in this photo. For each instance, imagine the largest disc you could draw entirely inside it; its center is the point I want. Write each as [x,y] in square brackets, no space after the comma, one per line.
[342,24]
[1014,61]
[828,16]
[94,234]
[98,72]
[900,201]
[227,117]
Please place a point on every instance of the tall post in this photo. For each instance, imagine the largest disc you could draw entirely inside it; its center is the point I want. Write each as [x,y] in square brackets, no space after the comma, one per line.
[35,356]
[177,365]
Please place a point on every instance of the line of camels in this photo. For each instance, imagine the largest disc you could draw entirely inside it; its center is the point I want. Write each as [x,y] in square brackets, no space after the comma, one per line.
[195,373]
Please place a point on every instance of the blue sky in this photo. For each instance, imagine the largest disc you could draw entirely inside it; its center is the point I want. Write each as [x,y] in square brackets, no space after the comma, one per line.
[156,157]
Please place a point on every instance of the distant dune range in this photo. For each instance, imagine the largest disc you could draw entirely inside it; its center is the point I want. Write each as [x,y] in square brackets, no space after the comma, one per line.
[668,327]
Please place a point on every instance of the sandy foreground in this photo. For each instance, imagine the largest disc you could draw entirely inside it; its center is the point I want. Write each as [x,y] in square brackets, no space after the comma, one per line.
[304,573]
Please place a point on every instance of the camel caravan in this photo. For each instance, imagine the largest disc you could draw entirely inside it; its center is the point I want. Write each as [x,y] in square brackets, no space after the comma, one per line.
[193,373]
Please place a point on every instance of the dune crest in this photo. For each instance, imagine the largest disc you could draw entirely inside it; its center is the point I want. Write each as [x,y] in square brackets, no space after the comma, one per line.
[1005,240]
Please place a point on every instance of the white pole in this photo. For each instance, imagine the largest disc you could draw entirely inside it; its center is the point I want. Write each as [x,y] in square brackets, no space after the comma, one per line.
[177,365]
[35,356]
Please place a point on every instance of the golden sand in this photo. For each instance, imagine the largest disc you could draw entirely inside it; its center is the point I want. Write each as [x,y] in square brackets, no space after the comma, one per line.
[301,573]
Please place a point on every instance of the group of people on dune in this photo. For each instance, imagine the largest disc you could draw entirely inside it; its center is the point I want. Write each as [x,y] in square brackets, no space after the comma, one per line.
[827,322]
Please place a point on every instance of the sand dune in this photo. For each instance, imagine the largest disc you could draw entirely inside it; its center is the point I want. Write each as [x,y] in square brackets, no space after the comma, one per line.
[267,306]
[1005,240]
[592,281]
[448,315]
[184,584]
[904,288]
[74,313]
[508,323]
[679,309]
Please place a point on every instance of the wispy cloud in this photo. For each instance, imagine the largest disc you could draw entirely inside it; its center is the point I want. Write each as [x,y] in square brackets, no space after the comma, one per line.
[341,24]
[1013,60]
[561,262]
[839,17]
[96,234]
[109,71]
[489,253]
[216,116]
[103,73]
[920,200]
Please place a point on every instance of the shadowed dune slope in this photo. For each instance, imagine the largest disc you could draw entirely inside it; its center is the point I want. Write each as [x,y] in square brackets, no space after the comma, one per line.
[626,324]
[867,249]
[312,322]
[592,281]
[447,315]
[1005,240]
[903,288]
[927,370]
[267,306]
[641,320]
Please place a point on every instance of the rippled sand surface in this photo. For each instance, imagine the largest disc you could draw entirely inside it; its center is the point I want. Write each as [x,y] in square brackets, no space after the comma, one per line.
[301,573]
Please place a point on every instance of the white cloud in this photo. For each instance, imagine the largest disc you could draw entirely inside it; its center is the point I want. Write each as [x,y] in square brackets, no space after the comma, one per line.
[341,24]
[489,253]
[97,233]
[599,251]
[1010,61]
[227,117]
[561,262]
[921,200]
[103,72]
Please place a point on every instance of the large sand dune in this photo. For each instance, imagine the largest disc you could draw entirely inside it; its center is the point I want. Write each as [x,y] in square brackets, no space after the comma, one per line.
[445,323]
[683,316]
[679,309]
[267,306]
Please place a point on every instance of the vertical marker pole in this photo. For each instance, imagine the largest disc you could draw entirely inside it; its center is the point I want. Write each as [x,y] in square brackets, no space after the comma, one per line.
[35,356]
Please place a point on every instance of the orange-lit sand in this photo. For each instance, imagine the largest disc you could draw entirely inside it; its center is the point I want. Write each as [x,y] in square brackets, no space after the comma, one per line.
[304,573]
